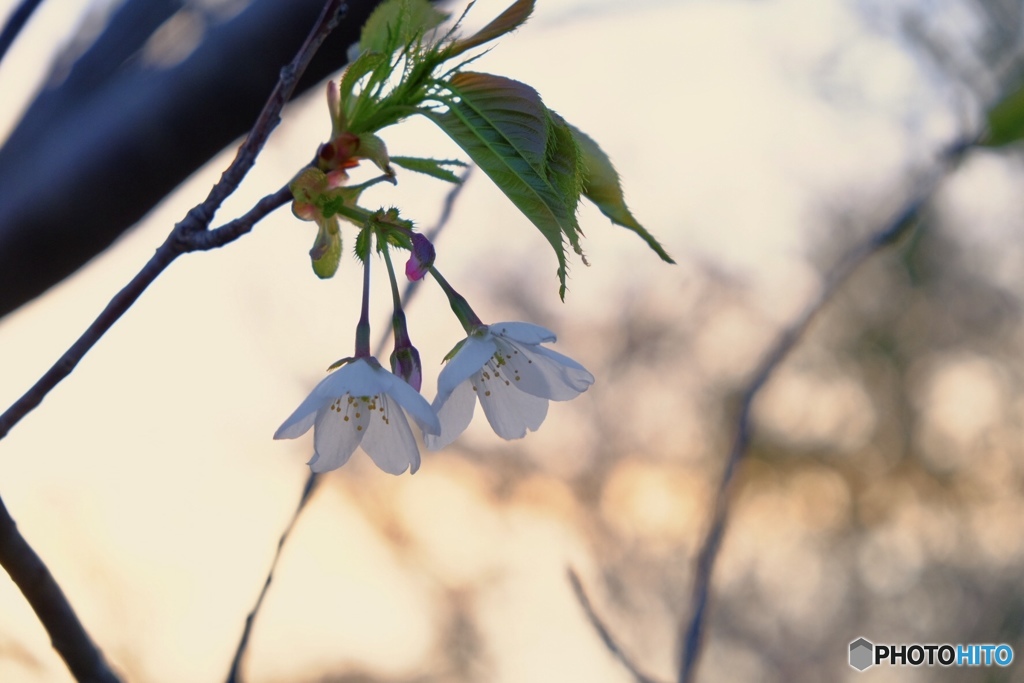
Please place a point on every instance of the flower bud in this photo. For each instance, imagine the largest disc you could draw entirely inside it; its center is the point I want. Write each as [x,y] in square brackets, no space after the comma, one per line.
[405,359]
[405,362]
[421,257]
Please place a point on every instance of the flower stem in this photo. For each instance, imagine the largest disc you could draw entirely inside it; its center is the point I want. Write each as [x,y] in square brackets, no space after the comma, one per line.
[459,305]
[363,328]
[398,317]
[394,283]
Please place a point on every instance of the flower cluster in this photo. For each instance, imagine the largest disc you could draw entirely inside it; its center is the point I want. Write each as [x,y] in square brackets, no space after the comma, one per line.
[360,404]
[401,67]
[504,366]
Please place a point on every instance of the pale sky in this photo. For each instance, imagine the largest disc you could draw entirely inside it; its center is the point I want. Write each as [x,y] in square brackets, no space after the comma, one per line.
[148,480]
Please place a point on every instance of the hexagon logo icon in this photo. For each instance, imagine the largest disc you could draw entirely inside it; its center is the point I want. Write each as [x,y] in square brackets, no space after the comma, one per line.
[861,654]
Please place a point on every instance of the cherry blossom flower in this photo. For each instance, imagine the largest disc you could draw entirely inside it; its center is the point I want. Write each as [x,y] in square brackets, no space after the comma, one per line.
[362,404]
[513,376]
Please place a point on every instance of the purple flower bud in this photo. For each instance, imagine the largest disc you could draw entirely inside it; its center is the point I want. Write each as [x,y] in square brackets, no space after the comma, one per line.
[420,258]
[405,362]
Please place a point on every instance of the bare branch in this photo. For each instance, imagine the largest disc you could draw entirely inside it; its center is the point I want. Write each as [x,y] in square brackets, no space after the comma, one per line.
[243,643]
[899,225]
[48,601]
[177,243]
[602,630]
[191,234]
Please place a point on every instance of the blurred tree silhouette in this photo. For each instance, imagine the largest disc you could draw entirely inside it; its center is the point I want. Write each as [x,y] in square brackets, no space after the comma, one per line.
[118,128]
[883,491]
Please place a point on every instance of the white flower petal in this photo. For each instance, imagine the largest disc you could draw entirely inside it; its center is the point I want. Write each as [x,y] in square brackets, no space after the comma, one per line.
[354,378]
[340,427]
[412,401]
[537,371]
[455,414]
[357,378]
[389,440]
[471,357]
[511,412]
[563,377]
[513,364]
[299,422]
[526,333]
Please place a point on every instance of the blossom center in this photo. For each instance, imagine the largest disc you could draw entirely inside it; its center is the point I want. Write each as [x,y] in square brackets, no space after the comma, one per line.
[357,410]
[500,367]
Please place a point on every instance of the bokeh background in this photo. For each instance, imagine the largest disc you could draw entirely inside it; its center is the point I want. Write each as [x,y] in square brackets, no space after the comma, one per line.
[883,493]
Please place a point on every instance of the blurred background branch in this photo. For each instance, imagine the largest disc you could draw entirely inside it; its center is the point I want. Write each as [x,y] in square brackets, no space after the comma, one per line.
[164,87]
[692,633]
[12,27]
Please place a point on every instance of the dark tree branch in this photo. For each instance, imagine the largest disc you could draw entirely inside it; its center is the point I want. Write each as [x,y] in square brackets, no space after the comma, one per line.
[48,601]
[191,234]
[19,17]
[100,149]
[692,631]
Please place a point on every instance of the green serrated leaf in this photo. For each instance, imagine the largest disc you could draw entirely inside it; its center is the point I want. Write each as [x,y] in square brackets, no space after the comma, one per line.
[1006,120]
[431,167]
[504,127]
[565,170]
[601,186]
[395,23]
[363,64]
[506,22]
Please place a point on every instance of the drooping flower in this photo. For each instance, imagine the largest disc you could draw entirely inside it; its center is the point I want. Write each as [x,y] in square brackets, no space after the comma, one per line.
[512,375]
[362,404]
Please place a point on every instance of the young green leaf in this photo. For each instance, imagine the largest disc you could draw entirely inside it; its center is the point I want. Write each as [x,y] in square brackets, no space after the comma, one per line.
[364,64]
[1006,120]
[508,21]
[373,148]
[431,167]
[565,170]
[395,23]
[505,128]
[601,186]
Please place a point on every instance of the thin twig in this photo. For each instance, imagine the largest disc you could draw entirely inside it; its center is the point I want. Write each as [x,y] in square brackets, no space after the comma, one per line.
[24,566]
[172,247]
[602,630]
[236,663]
[15,23]
[311,481]
[899,225]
